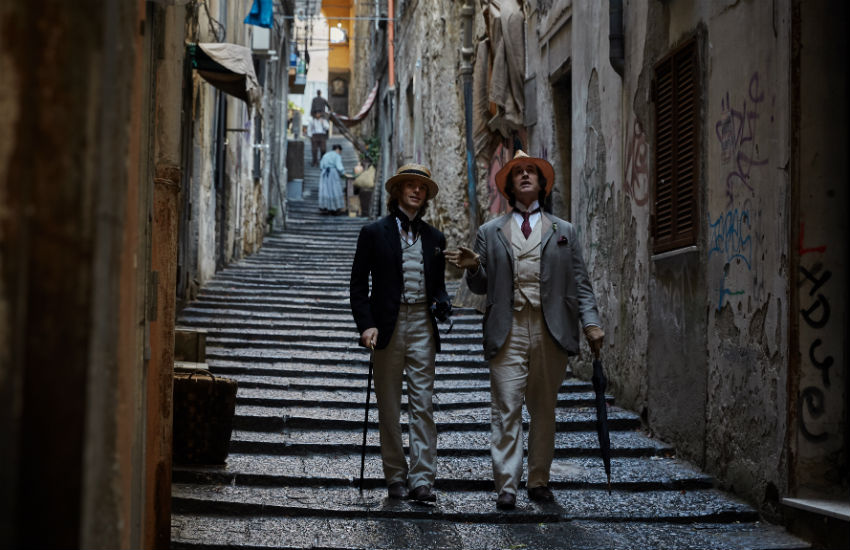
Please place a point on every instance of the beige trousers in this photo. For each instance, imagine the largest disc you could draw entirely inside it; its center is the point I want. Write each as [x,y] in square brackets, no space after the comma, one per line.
[412,349]
[529,366]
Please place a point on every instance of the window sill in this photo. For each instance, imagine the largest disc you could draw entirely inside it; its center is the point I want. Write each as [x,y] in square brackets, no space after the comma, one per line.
[673,253]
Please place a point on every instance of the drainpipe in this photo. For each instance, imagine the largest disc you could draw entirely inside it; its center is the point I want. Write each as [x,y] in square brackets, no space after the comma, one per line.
[466,51]
[616,40]
[390,38]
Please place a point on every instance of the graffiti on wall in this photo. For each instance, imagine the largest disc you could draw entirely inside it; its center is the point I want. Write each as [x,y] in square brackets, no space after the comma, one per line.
[636,182]
[815,311]
[732,233]
[736,132]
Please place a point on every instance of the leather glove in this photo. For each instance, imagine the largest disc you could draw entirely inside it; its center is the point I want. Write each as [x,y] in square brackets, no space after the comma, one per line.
[463,258]
[594,336]
[442,311]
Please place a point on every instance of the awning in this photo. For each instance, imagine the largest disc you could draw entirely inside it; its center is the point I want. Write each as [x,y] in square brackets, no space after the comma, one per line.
[228,67]
[364,110]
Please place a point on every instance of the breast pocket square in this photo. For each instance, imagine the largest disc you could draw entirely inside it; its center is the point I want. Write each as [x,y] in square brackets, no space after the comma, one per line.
[562,240]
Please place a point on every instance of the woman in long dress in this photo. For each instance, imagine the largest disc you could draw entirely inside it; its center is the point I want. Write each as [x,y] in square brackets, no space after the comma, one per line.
[331,199]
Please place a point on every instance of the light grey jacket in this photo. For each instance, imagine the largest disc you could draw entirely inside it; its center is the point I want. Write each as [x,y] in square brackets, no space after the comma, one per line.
[565,291]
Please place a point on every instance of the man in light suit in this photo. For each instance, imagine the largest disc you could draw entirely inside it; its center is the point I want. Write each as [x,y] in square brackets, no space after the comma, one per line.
[404,257]
[529,264]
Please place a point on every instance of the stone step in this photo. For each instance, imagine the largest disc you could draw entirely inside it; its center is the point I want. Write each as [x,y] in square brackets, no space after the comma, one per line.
[270,419]
[341,469]
[358,385]
[305,369]
[343,338]
[464,506]
[453,347]
[356,357]
[449,443]
[351,400]
[231,531]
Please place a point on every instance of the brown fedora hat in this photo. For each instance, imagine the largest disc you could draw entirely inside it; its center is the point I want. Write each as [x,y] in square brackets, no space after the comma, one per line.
[413,172]
[542,165]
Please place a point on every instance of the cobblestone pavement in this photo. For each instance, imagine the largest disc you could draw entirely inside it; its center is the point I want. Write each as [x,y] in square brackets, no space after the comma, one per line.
[279,323]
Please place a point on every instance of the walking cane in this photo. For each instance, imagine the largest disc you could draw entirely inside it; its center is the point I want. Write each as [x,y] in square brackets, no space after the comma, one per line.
[366,418]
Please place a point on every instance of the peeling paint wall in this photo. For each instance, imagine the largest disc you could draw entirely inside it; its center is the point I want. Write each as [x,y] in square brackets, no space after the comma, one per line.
[429,122]
[698,339]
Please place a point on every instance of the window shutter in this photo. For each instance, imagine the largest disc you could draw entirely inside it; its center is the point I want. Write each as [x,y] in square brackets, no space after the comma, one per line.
[676,96]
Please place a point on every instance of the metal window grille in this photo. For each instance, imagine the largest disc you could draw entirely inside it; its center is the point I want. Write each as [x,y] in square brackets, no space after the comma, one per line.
[676,94]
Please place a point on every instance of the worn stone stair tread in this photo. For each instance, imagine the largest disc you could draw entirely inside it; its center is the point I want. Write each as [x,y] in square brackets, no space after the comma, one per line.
[267,532]
[357,356]
[296,331]
[478,413]
[449,347]
[337,398]
[441,385]
[326,368]
[588,504]
[635,473]
[448,442]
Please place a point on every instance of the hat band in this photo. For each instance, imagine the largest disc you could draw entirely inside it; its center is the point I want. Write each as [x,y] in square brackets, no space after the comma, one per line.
[415,172]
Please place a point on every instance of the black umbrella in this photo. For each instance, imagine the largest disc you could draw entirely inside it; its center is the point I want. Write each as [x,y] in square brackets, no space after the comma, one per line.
[366,419]
[599,385]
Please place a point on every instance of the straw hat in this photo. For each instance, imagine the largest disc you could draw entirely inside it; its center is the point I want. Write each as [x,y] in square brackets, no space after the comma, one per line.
[542,165]
[413,172]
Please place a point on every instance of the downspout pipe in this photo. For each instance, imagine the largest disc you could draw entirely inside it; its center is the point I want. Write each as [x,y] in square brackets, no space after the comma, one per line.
[390,47]
[467,11]
[616,38]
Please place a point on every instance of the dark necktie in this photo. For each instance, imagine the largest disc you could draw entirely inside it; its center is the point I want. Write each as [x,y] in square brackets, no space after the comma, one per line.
[409,226]
[526,225]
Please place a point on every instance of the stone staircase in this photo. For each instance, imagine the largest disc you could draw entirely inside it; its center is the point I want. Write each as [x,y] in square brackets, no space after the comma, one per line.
[279,323]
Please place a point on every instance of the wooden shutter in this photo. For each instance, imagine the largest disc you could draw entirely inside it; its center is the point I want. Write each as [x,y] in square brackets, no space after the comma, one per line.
[676,95]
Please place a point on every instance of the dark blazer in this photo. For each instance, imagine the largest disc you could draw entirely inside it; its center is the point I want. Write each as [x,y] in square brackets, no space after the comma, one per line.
[566,294]
[379,255]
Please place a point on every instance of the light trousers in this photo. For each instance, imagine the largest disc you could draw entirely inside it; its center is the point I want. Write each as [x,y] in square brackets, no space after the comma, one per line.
[412,349]
[529,366]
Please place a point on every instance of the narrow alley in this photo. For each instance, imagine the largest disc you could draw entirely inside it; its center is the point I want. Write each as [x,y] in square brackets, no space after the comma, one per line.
[668,181]
[279,323]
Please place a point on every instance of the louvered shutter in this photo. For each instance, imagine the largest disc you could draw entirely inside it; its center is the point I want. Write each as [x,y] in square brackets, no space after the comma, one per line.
[676,95]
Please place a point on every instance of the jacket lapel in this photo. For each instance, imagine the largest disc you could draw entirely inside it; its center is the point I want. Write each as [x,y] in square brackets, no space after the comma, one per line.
[548,230]
[503,232]
[393,239]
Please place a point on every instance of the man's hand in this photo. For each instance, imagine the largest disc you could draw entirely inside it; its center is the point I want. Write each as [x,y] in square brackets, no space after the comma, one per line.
[594,337]
[463,258]
[369,337]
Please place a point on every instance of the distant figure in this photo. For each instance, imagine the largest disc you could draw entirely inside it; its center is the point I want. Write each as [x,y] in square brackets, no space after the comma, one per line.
[317,129]
[331,200]
[319,104]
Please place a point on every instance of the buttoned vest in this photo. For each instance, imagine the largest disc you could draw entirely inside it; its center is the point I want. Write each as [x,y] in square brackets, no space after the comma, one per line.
[527,266]
[413,271]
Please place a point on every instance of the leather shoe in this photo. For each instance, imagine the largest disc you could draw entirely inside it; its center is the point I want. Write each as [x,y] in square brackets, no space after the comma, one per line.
[423,493]
[506,501]
[397,490]
[541,494]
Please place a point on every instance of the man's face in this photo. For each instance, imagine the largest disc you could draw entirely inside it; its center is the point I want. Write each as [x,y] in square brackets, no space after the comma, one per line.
[412,195]
[525,182]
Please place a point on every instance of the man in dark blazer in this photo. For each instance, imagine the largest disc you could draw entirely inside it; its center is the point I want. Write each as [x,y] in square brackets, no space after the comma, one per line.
[530,266]
[404,257]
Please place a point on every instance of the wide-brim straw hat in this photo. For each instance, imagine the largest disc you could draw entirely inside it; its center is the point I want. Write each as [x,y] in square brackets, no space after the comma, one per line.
[542,165]
[413,172]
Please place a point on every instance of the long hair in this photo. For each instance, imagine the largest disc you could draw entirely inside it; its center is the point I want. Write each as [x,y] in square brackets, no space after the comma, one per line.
[541,195]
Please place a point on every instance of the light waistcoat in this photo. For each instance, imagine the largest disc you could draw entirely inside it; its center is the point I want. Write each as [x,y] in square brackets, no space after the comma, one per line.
[526,267]
[413,270]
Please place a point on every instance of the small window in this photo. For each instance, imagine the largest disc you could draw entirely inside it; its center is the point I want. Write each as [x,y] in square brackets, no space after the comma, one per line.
[676,94]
